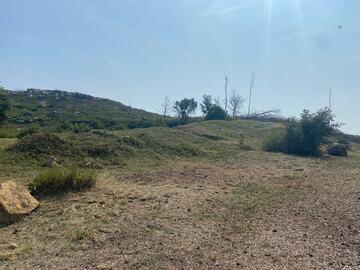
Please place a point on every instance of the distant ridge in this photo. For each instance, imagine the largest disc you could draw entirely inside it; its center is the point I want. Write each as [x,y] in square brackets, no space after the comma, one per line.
[62,110]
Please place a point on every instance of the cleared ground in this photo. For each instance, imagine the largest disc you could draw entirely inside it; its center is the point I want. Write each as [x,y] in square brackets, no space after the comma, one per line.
[247,210]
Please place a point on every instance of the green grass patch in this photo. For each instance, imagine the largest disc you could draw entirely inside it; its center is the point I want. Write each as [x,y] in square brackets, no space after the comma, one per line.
[79,234]
[57,181]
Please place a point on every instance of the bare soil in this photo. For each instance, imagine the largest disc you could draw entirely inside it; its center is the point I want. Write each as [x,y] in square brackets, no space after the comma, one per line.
[253,211]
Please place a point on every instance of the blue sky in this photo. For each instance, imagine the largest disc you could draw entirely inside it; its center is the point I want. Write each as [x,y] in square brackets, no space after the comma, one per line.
[139,51]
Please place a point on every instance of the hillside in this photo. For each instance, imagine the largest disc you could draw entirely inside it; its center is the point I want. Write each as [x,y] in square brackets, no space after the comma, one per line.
[136,149]
[202,196]
[60,110]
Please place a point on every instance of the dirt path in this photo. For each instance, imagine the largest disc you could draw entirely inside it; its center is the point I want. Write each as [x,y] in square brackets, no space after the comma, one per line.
[257,211]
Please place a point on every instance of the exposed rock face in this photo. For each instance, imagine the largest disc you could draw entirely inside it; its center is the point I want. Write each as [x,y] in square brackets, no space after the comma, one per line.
[15,202]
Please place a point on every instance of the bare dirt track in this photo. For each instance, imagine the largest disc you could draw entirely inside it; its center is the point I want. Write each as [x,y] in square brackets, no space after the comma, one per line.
[253,211]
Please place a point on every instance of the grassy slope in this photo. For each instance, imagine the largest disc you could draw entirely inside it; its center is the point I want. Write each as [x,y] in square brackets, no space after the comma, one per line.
[51,109]
[147,147]
[190,197]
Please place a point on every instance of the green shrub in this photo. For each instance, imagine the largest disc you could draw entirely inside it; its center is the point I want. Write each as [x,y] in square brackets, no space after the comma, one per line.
[79,234]
[26,132]
[101,151]
[58,181]
[172,123]
[305,136]
[42,144]
[81,128]
[215,113]
[140,124]
[338,149]
[212,111]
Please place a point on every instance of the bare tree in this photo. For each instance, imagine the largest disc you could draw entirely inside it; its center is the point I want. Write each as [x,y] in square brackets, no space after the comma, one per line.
[251,88]
[235,103]
[226,93]
[166,106]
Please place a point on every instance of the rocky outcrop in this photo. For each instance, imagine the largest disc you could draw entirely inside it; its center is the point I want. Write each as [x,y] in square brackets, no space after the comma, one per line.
[15,202]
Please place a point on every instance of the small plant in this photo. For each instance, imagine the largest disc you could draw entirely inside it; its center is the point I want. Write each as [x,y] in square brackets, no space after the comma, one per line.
[338,149]
[26,132]
[58,181]
[79,234]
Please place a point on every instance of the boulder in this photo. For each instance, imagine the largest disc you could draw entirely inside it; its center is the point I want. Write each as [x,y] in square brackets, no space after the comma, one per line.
[15,202]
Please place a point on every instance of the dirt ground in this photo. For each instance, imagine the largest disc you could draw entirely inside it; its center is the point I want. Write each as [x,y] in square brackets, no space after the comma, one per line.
[253,211]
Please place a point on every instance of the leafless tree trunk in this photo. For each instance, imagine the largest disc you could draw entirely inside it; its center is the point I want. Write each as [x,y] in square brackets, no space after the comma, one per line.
[165,106]
[226,93]
[252,83]
[235,103]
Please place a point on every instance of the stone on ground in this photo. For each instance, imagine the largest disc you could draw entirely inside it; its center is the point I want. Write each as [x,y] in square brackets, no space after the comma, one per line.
[15,202]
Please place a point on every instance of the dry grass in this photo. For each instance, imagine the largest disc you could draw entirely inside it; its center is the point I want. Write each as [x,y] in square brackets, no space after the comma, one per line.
[252,211]
[5,142]
[243,210]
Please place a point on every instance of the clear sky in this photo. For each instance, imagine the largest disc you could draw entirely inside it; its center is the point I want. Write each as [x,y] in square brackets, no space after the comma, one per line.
[139,51]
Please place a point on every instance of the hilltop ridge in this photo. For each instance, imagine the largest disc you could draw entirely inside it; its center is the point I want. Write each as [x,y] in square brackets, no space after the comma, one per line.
[63,110]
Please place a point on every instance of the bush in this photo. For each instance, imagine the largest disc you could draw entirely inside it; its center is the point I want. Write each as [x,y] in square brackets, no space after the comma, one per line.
[305,136]
[26,132]
[81,128]
[42,144]
[139,124]
[58,181]
[175,122]
[102,151]
[338,149]
[215,113]
[212,111]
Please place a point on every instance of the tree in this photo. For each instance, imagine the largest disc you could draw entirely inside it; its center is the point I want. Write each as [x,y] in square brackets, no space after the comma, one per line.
[212,111]
[4,104]
[165,106]
[235,103]
[185,108]
[207,103]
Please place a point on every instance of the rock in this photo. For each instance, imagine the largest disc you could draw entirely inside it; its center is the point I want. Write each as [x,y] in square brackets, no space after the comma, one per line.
[15,202]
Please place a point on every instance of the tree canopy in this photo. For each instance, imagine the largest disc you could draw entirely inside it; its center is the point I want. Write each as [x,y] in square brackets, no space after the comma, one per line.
[212,111]
[4,104]
[185,108]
